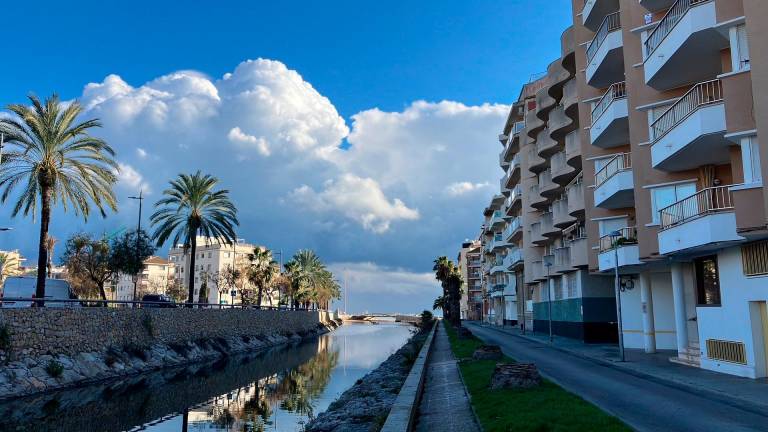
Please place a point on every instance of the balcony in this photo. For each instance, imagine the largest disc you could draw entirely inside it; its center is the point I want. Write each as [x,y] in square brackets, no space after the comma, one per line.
[686,36]
[573,149]
[560,216]
[537,201]
[498,266]
[535,272]
[547,187]
[562,260]
[610,118]
[605,58]
[548,228]
[624,248]
[544,103]
[594,11]
[513,231]
[513,259]
[614,186]
[575,194]
[560,124]
[498,244]
[536,163]
[536,236]
[579,252]
[513,172]
[497,220]
[691,133]
[545,145]
[533,124]
[656,5]
[701,222]
[570,96]
[514,201]
[562,173]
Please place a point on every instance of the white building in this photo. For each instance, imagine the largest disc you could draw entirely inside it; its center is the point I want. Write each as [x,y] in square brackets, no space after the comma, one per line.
[157,274]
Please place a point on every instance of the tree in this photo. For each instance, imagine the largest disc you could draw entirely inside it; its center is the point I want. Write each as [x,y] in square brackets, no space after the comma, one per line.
[50,243]
[191,206]
[56,161]
[450,280]
[262,270]
[128,253]
[9,265]
[176,290]
[203,296]
[229,278]
[88,259]
[310,282]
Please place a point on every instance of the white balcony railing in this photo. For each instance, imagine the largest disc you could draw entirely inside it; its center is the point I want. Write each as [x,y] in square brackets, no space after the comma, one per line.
[618,163]
[615,91]
[707,201]
[702,94]
[628,237]
[610,23]
[666,24]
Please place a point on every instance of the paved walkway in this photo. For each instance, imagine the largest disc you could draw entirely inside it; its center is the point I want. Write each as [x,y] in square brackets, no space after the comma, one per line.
[444,404]
[643,402]
[734,389]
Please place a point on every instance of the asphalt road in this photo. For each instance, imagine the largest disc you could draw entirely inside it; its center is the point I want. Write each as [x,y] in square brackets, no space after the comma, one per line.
[644,405]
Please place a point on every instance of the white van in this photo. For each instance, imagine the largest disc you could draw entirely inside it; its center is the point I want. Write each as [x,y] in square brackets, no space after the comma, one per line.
[24,287]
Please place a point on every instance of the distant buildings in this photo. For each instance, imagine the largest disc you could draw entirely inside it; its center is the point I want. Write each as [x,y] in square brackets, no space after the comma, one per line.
[640,149]
[155,278]
[469,264]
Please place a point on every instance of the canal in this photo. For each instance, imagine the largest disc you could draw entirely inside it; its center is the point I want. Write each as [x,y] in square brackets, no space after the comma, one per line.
[276,390]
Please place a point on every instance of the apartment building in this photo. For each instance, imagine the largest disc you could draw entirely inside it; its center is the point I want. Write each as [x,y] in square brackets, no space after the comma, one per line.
[212,259]
[469,262]
[154,278]
[674,110]
[498,283]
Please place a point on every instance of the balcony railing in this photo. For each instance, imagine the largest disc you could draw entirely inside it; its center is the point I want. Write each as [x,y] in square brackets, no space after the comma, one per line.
[615,91]
[702,94]
[665,26]
[707,201]
[610,23]
[513,226]
[628,237]
[618,163]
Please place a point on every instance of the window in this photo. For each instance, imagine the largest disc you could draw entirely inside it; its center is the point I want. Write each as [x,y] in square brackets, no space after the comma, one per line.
[750,159]
[653,115]
[558,288]
[707,281]
[202,255]
[754,257]
[573,284]
[209,254]
[739,48]
[609,225]
[665,196]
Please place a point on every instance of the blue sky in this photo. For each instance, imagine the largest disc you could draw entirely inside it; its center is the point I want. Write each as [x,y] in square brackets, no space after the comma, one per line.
[367,74]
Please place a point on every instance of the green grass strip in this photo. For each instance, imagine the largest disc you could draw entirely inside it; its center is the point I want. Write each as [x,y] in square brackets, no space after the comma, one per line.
[545,408]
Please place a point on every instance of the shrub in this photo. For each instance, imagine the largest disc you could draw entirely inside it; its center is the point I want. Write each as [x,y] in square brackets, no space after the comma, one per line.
[54,368]
[426,319]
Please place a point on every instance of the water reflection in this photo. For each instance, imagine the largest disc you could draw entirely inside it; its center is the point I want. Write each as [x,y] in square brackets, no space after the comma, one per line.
[277,390]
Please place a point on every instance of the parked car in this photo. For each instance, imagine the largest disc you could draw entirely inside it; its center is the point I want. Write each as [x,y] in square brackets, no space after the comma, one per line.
[24,287]
[160,301]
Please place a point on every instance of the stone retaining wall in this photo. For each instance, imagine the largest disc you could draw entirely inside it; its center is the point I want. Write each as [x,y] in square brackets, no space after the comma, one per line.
[52,331]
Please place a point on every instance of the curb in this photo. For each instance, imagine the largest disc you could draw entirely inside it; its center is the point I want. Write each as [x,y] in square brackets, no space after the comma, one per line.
[730,400]
[403,411]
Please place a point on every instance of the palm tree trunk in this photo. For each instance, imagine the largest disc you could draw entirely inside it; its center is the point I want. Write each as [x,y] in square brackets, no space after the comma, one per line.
[258,297]
[193,250]
[42,252]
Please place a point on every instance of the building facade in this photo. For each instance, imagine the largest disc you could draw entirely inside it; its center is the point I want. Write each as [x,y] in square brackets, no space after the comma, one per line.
[642,149]
[470,267]
[155,278]
[211,261]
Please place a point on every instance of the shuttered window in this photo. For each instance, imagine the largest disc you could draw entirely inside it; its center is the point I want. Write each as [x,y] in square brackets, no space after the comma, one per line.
[754,258]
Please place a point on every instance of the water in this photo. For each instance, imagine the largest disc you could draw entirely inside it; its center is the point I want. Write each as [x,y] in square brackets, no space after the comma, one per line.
[277,390]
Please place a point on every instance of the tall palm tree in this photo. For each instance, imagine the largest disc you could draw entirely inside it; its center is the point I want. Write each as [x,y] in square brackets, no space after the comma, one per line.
[311,282]
[442,268]
[55,160]
[262,270]
[191,206]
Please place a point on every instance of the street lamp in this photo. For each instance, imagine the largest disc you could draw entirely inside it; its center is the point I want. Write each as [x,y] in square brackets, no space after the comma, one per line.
[548,264]
[140,198]
[615,235]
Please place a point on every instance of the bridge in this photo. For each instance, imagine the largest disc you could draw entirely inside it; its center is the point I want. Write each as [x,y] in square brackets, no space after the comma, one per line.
[382,317]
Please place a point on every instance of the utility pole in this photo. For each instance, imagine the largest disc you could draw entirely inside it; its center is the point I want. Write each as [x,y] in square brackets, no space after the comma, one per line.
[615,235]
[140,198]
[548,263]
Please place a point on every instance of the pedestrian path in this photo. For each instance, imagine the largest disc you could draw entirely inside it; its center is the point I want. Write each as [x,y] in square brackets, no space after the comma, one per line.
[742,391]
[444,403]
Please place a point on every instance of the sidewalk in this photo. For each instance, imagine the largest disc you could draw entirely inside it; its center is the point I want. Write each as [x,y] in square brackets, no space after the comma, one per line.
[730,389]
[444,404]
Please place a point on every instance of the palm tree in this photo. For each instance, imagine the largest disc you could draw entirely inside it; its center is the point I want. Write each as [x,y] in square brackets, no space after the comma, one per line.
[311,282]
[9,265]
[191,206]
[56,161]
[442,269]
[50,243]
[262,271]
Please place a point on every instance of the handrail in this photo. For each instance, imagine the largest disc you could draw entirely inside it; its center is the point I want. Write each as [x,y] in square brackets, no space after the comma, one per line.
[628,237]
[706,201]
[147,304]
[702,94]
[618,163]
[615,91]
[610,23]
[666,24]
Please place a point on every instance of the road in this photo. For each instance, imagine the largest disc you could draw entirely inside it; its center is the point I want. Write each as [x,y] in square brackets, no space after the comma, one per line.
[644,405]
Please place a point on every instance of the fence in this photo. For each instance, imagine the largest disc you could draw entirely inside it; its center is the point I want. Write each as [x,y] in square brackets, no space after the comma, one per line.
[19,302]
[706,201]
[610,23]
[615,91]
[670,20]
[702,94]
[620,162]
[628,236]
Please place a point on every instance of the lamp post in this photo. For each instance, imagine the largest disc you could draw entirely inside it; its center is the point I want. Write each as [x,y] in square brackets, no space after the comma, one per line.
[140,198]
[615,235]
[548,264]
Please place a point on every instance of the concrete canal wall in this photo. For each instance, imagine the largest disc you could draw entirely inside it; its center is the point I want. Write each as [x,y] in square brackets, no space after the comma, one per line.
[47,348]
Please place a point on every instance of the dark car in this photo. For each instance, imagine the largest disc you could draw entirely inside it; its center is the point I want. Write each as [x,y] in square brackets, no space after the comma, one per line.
[157,301]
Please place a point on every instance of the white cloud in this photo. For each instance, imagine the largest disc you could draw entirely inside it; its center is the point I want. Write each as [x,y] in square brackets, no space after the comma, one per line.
[130,179]
[359,199]
[237,136]
[141,153]
[463,188]
[372,277]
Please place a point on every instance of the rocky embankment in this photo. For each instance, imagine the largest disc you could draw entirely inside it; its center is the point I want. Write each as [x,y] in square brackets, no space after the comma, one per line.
[365,406]
[36,374]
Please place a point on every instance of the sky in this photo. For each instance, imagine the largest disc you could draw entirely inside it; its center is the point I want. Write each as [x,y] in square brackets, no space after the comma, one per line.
[363,130]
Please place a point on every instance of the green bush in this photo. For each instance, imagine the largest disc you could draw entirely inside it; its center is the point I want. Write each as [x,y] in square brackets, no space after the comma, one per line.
[54,368]
[426,319]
